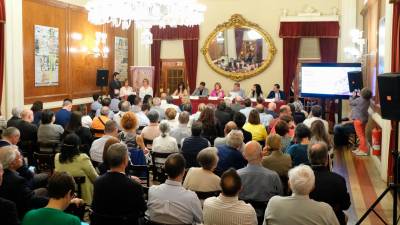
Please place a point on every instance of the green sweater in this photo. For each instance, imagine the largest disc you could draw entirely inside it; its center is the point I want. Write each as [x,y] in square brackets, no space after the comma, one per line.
[49,216]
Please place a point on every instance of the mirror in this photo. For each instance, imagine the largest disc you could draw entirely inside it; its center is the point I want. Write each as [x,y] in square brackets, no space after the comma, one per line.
[239,49]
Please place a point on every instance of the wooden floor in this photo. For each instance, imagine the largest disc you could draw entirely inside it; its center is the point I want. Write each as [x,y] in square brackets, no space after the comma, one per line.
[365,185]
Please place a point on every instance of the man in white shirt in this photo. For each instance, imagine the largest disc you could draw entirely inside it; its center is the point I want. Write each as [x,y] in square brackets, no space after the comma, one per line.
[237,91]
[182,131]
[265,119]
[142,116]
[169,104]
[96,151]
[316,112]
[247,109]
[125,106]
[170,203]
[227,209]
[157,107]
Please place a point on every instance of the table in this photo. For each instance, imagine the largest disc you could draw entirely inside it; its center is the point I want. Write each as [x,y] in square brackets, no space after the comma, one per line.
[195,103]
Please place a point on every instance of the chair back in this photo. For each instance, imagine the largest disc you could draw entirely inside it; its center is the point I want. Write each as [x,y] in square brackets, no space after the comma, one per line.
[140,171]
[259,207]
[158,168]
[137,156]
[97,133]
[44,162]
[148,143]
[45,147]
[204,195]
[79,182]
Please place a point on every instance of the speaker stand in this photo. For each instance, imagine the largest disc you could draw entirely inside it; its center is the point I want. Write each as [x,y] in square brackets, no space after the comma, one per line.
[393,186]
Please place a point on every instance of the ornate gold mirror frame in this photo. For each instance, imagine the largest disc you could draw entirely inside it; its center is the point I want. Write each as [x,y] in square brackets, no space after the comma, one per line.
[237,21]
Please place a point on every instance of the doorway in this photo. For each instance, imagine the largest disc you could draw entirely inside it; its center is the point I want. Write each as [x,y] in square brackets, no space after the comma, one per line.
[173,71]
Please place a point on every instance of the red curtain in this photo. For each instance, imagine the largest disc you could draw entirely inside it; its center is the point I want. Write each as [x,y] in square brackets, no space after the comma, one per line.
[191,50]
[2,21]
[309,29]
[156,62]
[396,38]
[328,49]
[239,41]
[178,33]
[291,48]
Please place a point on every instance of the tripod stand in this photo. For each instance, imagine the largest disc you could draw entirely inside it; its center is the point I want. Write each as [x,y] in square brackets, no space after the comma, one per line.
[393,186]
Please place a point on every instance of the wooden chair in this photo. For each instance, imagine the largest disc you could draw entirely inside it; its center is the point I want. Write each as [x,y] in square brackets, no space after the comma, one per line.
[140,171]
[204,195]
[44,162]
[158,168]
[148,143]
[27,148]
[48,147]
[79,182]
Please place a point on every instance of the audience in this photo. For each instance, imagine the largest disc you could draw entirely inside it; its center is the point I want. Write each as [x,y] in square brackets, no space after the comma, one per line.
[114,105]
[28,131]
[61,191]
[142,116]
[271,110]
[299,114]
[84,134]
[211,125]
[222,115]
[318,133]
[182,131]
[104,167]
[48,132]
[63,115]
[330,187]
[192,145]
[316,113]
[299,208]
[265,118]
[106,102]
[298,151]
[240,120]
[276,160]
[37,108]
[157,107]
[246,111]
[8,210]
[124,106]
[194,117]
[117,198]
[128,135]
[222,140]
[15,117]
[282,129]
[236,105]
[96,150]
[253,125]
[170,118]
[136,103]
[170,203]
[195,177]
[96,105]
[164,143]
[229,155]
[86,119]
[150,132]
[99,122]
[76,164]
[227,209]
[169,103]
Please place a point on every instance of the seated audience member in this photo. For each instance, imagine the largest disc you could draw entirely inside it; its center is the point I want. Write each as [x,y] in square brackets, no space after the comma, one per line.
[253,125]
[147,100]
[104,167]
[259,183]
[342,132]
[298,152]
[170,118]
[164,143]
[136,103]
[318,133]
[303,210]
[299,114]
[195,177]
[330,187]
[157,107]
[86,120]
[28,131]
[142,116]
[152,130]
[316,113]
[48,132]
[37,109]
[217,91]
[186,105]
[99,122]
[114,105]
[282,128]
[276,160]
[61,191]
[237,91]
[222,115]
[106,102]
[145,89]
[222,140]
[276,93]
[169,103]
[283,111]
[8,210]
[256,92]
[229,155]
[292,126]
[170,203]
[96,150]
[265,118]
[201,90]
[128,135]
[211,125]
[84,134]
[117,198]
[271,110]
[182,131]
[194,117]
[181,90]
[236,105]
[76,164]
[246,111]
[63,115]
[124,106]
[227,209]
[96,105]
[192,145]
[15,187]
[240,120]
[126,90]
[15,117]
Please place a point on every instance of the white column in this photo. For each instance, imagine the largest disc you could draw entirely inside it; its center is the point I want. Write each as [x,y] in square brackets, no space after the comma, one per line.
[348,21]
[230,43]
[14,64]
[142,52]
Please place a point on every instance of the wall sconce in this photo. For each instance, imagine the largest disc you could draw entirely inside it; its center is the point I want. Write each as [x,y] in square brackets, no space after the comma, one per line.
[101,48]
[355,52]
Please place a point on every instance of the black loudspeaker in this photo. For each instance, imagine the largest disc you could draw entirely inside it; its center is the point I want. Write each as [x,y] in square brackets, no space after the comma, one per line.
[102,78]
[355,80]
[389,94]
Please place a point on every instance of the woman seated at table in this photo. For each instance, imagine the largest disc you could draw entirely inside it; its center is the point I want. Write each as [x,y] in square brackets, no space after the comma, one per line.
[217,92]
[145,89]
[256,91]
[126,90]
[181,90]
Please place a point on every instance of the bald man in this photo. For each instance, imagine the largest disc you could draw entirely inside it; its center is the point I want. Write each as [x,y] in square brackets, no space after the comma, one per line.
[259,183]
[265,119]
[28,137]
[228,127]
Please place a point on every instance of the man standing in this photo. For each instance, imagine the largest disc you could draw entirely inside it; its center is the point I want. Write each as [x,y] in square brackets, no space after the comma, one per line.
[201,91]
[64,115]
[115,85]
[276,93]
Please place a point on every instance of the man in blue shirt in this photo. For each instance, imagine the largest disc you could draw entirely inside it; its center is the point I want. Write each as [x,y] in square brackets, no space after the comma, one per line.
[64,115]
[229,155]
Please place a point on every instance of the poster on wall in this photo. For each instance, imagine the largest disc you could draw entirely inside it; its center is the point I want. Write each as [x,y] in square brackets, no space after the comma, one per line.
[46,56]
[138,73]
[121,57]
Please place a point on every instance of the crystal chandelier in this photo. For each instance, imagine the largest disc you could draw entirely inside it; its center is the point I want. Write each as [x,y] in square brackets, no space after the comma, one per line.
[145,14]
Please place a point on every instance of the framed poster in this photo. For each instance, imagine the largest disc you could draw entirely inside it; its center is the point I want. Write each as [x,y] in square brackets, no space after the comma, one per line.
[138,73]
[46,56]
[121,57]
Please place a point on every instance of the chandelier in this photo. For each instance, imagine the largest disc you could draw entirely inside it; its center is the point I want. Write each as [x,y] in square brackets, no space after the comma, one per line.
[145,14]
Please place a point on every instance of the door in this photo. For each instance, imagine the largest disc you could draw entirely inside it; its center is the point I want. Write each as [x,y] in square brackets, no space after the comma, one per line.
[172,73]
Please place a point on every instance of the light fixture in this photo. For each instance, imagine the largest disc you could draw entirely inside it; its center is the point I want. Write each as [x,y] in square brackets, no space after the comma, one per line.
[101,48]
[355,52]
[76,36]
[145,14]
